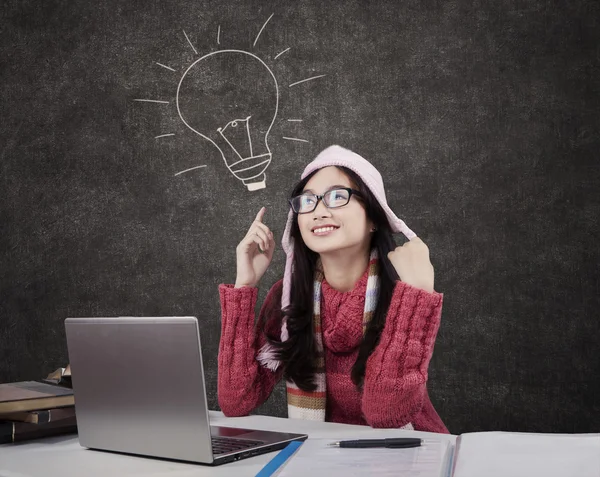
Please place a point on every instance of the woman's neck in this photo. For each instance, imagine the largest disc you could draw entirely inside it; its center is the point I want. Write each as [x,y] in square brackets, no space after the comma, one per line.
[342,269]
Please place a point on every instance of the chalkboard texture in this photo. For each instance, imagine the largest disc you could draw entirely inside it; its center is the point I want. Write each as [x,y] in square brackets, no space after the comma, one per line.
[119,195]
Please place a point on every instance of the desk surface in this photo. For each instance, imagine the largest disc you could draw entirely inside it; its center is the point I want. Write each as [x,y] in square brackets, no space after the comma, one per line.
[62,456]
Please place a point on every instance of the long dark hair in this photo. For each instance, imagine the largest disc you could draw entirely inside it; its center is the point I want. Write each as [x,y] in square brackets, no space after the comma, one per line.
[297,353]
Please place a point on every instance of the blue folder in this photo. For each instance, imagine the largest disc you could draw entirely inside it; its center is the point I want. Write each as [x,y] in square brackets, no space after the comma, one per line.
[276,462]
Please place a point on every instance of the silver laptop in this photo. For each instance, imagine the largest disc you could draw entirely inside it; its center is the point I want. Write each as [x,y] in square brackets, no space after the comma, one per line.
[139,389]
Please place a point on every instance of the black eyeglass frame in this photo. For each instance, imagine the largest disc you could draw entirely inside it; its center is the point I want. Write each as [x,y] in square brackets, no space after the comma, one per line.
[319,198]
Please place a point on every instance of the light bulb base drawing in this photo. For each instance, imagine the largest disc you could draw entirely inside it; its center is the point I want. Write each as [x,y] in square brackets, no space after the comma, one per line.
[256,184]
[251,170]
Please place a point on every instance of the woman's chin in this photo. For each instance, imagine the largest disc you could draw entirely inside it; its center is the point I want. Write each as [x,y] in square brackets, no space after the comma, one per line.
[324,248]
[330,246]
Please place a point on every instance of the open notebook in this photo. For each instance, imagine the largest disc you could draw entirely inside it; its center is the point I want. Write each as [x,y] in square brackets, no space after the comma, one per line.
[520,454]
[314,457]
[477,454]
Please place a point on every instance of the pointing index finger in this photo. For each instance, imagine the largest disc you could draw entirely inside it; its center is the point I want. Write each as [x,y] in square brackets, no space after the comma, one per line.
[261,214]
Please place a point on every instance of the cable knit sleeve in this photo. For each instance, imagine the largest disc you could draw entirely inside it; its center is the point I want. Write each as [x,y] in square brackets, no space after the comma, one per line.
[243,384]
[396,373]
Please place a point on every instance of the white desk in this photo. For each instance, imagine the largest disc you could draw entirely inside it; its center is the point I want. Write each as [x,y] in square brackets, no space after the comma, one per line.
[62,456]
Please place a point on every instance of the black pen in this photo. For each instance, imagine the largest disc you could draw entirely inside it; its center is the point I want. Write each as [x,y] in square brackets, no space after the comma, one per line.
[397,443]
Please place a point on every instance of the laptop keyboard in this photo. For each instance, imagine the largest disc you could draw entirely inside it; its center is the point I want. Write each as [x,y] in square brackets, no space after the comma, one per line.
[224,445]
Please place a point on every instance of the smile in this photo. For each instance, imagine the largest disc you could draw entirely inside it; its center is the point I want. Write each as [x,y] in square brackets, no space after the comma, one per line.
[324,230]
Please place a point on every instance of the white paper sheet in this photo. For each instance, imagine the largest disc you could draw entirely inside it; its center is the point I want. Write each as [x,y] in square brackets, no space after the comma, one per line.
[511,454]
[314,458]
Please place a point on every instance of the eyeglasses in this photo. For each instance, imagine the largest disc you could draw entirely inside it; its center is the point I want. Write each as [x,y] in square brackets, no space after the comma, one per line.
[334,198]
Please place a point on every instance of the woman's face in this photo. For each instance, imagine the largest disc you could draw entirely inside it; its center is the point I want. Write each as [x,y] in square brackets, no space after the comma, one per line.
[331,230]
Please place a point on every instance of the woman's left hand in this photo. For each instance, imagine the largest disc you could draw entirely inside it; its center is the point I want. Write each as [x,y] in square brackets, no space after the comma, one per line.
[412,263]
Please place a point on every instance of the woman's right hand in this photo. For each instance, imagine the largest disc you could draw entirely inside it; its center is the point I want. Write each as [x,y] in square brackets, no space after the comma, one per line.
[254,253]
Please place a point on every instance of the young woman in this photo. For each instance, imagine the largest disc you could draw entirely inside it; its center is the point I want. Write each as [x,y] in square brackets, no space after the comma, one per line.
[352,325]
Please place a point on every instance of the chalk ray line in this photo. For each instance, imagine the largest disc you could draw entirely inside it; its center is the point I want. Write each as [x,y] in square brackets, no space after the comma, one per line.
[307,79]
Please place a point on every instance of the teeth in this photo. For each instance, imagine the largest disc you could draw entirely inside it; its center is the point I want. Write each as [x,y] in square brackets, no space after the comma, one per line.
[323,230]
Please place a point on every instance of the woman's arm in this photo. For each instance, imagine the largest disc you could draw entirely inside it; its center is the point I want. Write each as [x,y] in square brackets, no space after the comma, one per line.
[396,371]
[243,384]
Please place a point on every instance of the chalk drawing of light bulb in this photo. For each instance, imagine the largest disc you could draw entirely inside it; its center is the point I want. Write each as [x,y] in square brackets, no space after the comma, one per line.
[231,98]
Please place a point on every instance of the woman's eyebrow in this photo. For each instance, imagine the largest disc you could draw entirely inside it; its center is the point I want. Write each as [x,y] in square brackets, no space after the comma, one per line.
[336,186]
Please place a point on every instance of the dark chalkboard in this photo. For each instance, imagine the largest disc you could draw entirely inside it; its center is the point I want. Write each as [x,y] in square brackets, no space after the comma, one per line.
[483,119]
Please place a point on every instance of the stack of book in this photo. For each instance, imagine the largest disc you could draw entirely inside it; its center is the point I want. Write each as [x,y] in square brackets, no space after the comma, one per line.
[34,409]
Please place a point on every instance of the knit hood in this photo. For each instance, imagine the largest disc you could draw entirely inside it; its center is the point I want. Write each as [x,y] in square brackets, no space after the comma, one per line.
[339,156]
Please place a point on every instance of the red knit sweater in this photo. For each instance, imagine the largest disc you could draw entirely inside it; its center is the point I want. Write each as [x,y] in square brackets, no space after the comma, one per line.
[395,386]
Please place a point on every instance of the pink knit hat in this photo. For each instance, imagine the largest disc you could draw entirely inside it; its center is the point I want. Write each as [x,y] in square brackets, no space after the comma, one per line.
[338,156]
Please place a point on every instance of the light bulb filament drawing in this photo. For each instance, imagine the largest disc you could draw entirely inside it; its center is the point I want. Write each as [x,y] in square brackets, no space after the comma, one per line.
[250,166]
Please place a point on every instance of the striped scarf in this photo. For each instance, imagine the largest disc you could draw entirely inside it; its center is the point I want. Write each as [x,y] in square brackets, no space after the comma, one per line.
[310,405]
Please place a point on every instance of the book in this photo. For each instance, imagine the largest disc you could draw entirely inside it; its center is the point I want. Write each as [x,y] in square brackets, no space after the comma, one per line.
[41,416]
[60,376]
[14,431]
[33,395]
